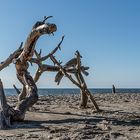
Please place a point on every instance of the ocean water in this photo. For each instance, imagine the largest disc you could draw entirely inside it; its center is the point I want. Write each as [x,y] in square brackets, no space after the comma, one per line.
[74,91]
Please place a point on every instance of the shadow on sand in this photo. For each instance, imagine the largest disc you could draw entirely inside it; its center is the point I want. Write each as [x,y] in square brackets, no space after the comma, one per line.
[84,119]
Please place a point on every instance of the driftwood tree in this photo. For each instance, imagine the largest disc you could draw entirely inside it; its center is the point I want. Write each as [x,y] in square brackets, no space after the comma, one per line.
[74,65]
[28,96]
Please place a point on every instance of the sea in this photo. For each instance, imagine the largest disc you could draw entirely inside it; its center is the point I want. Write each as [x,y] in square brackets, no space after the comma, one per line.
[59,91]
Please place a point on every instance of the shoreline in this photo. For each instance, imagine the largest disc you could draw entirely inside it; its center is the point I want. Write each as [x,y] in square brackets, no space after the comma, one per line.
[59,117]
[67,91]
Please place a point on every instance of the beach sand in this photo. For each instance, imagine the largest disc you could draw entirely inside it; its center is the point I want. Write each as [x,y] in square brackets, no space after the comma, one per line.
[58,117]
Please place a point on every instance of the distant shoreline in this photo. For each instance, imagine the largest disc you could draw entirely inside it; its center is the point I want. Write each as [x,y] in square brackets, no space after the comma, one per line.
[76,91]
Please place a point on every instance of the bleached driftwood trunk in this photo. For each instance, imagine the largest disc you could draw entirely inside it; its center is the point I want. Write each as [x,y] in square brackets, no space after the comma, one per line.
[29,94]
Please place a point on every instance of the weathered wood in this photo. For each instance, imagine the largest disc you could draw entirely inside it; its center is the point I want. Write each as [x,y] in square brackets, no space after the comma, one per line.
[41,67]
[40,28]
[63,71]
[30,100]
[40,59]
[82,87]
[85,92]
[44,67]
[71,63]
[84,97]
[10,59]
[81,82]
[28,96]
[5,110]
[113,89]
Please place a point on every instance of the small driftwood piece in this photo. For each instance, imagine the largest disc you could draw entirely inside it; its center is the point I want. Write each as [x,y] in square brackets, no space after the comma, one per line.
[113,89]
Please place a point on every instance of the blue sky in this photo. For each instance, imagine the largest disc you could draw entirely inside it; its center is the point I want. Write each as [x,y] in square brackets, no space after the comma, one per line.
[106,32]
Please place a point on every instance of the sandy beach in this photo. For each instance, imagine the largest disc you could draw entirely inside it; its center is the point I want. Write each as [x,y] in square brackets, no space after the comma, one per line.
[58,117]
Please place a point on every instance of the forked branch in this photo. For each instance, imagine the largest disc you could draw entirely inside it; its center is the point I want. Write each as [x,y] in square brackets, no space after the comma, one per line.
[81,86]
[10,59]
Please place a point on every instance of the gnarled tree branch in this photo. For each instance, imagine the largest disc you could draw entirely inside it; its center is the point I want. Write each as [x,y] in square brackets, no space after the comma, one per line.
[10,59]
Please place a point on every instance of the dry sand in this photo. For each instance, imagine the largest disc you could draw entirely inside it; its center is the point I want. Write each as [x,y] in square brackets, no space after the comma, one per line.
[60,118]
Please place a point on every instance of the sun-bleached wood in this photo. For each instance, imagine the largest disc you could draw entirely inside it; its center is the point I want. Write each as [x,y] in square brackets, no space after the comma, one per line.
[21,57]
[28,95]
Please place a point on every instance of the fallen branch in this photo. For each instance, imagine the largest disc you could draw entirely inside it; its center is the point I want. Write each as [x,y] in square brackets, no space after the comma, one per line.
[10,59]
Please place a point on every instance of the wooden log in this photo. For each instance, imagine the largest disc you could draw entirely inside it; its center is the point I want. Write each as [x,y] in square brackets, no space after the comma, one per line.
[113,89]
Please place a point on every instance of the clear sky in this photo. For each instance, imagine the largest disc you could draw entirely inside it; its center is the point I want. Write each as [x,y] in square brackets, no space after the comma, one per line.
[106,32]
